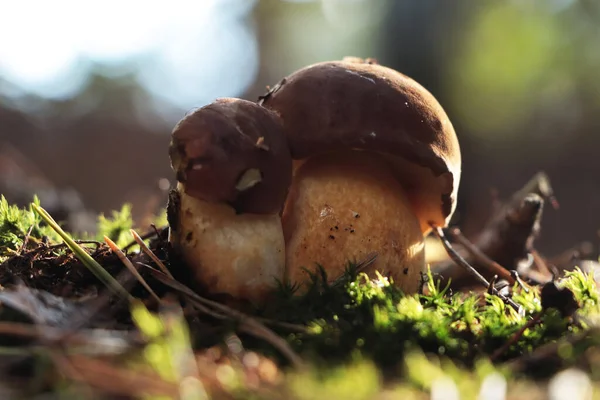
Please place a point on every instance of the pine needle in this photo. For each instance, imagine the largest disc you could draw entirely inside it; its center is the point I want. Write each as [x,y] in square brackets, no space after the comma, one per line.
[150,253]
[113,246]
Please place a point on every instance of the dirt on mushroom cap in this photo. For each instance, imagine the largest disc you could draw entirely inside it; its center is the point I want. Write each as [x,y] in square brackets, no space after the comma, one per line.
[233,151]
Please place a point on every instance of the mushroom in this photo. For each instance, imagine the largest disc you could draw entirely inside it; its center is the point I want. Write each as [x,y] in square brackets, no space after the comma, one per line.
[376,162]
[234,170]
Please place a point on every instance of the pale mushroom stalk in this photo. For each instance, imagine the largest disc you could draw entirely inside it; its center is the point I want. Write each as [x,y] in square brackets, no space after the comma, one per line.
[237,254]
[234,170]
[341,207]
[370,142]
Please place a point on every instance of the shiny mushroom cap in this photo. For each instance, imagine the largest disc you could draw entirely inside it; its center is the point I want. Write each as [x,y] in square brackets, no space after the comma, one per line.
[361,105]
[233,151]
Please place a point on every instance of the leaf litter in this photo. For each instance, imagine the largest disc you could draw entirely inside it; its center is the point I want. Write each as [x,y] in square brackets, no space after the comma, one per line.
[520,315]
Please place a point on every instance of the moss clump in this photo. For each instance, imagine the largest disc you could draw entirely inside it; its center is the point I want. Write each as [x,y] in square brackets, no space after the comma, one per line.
[16,224]
[364,338]
[372,318]
[117,226]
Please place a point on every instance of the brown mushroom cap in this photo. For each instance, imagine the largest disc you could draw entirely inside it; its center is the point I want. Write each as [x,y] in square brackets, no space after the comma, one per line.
[361,105]
[233,151]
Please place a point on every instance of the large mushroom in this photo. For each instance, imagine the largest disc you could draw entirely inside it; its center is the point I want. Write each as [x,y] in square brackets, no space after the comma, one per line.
[377,161]
[233,169]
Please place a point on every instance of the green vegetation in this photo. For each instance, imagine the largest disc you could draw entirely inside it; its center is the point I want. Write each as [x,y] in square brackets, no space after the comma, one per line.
[373,319]
[16,223]
[117,226]
[361,337]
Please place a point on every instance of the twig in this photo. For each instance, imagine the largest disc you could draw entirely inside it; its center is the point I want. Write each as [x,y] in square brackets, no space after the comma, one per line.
[255,328]
[110,379]
[518,279]
[247,324]
[154,232]
[113,246]
[480,257]
[158,232]
[515,338]
[507,237]
[66,367]
[547,351]
[102,301]
[145,236]
[150,253]
[458,259]
[25,240]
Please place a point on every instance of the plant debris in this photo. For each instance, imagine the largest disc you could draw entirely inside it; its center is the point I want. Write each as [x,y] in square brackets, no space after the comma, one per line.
[504,312]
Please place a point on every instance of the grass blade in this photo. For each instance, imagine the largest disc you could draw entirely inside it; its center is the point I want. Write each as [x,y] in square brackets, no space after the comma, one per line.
[83,256]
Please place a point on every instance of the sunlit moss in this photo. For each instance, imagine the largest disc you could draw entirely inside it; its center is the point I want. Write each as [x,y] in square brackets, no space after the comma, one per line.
[372,317]
[15,225]
[358,381]
[117,226]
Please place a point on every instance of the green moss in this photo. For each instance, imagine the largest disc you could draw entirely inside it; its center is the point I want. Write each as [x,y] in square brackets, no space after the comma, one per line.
[370,317]
[358,381]
[362,330]
[117,226]
[15,223]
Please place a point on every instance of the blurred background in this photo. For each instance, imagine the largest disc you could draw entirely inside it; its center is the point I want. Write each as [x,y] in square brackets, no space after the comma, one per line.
[90,91]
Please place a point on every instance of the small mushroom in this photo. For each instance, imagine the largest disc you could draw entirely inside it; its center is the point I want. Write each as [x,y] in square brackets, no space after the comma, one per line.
[233,169]
[376,161]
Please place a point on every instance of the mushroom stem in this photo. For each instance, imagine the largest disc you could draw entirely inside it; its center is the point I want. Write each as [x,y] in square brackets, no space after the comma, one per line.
[241,255]
[343,206]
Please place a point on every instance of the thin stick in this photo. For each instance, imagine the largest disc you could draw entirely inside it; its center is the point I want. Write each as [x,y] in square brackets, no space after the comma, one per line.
[108,378]
[486,262]
[145,236]
[515,338]
[457,258]
[25,240]
[113,246]
[247,324]
[150,253]
[158,232]
[549,350]
[65,366]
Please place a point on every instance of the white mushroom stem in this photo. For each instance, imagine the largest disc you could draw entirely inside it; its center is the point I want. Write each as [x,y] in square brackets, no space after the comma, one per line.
[242,255]
[344,206]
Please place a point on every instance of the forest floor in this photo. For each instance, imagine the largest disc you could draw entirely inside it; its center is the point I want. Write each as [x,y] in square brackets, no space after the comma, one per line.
[101,316]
